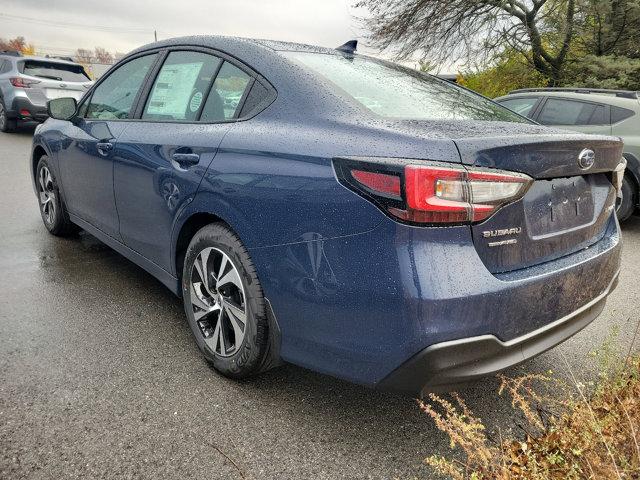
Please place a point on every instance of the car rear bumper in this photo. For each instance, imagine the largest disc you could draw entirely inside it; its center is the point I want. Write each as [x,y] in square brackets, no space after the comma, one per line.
[21,105]
[403,307]
[445,365]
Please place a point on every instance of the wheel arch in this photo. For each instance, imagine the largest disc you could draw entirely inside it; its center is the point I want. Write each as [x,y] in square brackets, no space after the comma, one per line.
[188,229]
[37,153]
[633,172]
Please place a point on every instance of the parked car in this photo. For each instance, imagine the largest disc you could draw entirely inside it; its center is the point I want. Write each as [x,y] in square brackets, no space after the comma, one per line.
[350,215]
[607,112]
[27,83]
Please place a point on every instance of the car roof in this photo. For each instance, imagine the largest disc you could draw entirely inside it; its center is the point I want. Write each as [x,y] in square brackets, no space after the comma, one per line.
[232,44]
[304,89]
[609,99]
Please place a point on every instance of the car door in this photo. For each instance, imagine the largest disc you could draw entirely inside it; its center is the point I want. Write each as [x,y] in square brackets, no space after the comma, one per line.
[581,116]
[160,158]
[86,154]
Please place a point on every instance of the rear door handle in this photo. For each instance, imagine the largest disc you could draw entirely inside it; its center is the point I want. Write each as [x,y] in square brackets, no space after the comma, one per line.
[186,158]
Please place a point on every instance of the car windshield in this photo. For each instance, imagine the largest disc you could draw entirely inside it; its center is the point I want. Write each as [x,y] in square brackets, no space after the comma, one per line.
[391,90]
[54,71]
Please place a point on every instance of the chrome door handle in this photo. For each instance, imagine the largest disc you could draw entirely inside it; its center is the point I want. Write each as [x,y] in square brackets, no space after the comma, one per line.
[186,158]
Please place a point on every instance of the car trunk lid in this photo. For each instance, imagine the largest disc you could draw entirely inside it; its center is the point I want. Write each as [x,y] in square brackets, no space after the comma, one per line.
[566,207]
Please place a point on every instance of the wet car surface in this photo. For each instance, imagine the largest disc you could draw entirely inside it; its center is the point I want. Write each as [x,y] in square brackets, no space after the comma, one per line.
[99,376]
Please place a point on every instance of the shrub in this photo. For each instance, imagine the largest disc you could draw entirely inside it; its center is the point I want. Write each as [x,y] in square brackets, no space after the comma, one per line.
[596,437]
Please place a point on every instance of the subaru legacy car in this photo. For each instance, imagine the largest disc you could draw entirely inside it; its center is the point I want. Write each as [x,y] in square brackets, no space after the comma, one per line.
[601,111]
[335,211]
[27,83]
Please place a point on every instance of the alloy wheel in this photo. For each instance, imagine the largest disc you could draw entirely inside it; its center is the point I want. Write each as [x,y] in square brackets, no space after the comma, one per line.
[218,301]
[47,195]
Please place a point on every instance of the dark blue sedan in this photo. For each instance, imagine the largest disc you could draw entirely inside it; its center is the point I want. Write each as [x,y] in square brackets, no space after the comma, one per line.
[336,211]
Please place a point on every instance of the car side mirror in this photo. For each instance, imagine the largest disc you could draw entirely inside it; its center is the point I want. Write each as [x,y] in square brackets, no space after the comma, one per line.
[62,108]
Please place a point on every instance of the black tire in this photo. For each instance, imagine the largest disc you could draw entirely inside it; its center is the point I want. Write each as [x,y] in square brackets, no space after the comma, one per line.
[627,204]
[248,355]
[7,125]
[52,210]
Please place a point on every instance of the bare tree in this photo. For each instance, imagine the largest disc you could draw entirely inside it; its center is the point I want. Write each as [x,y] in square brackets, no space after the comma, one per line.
[446,31]
[17,44]
[103,56]
[83,56]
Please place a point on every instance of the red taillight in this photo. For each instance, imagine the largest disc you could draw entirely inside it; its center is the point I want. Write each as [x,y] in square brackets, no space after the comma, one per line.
[454,195]
[22,82]
[434,193]
[378,182]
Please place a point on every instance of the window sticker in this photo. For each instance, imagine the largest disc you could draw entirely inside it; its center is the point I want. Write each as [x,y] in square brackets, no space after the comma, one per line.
[172,89]
[195,102]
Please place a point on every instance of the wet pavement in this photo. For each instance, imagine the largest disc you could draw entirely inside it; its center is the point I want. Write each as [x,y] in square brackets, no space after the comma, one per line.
[99,376]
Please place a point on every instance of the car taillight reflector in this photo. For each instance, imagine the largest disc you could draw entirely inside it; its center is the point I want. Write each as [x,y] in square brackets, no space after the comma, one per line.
[378,182]
[20,82]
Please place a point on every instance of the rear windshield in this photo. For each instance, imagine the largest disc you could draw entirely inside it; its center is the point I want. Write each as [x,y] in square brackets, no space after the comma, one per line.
[54,71]
[390,90]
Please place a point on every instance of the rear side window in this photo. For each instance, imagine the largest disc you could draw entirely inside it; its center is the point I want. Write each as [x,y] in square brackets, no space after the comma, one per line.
[225,96]
[181,86]
[5,66]
[523,106]
[257,98]
[558,111]
[619,114]
[53,71]
[114,97]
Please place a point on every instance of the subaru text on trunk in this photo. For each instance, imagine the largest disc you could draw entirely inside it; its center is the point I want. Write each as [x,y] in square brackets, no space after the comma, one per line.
[335,211]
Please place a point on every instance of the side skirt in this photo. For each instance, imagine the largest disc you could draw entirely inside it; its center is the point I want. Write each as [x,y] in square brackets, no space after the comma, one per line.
[165,277]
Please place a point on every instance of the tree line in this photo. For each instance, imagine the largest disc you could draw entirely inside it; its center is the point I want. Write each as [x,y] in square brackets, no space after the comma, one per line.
[81,55]
[504,44]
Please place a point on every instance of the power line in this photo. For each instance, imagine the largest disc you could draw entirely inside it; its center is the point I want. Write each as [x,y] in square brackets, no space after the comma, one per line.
[51,23]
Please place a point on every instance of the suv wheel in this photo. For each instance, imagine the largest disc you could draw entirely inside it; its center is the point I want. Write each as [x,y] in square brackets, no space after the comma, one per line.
[224,302]
[627,204]
[54,214]
[7,125]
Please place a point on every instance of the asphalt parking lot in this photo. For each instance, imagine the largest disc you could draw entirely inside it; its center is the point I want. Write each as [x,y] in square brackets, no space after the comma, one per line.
[99,376]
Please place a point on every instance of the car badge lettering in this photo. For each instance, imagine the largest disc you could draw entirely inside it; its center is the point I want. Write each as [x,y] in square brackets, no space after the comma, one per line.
[501,232]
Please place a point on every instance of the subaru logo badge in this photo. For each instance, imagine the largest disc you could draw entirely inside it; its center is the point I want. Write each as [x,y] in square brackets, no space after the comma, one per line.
[586,159]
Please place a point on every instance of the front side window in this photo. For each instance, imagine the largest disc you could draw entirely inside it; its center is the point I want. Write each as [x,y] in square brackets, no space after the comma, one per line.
[394,91]
[113,98]
[225,96]
[54,71]
[181,86]
[558,111]
[522,106]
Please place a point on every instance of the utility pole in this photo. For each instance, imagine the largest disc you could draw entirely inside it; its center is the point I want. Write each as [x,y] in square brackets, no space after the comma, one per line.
[155,35]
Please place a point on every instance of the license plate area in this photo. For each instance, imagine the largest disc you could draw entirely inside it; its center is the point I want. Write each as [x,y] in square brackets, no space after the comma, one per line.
[558,205]
[53,93]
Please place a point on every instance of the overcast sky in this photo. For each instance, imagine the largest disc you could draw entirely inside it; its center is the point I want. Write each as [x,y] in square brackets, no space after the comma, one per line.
[62,26]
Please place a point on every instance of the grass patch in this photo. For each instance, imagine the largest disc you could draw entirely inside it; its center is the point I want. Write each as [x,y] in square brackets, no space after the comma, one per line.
[571,431]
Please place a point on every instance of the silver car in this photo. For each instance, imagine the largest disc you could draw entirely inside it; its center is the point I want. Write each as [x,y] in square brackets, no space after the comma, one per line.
[27,83]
